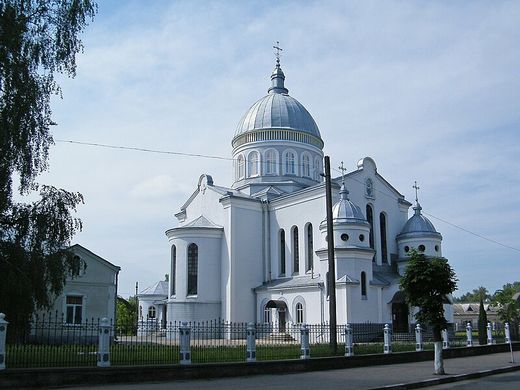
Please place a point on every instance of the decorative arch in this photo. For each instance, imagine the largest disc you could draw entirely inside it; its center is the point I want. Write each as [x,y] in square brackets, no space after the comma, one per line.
[271,162]
[306,165]
[241,167]
[253,164]
[290,162]
[299,310]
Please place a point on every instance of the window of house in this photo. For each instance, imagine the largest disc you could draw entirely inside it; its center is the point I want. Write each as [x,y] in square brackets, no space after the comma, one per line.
[363,285]
[290,161]
[295,250]
[317,169]
[173,271]
[310,248]
[422,248]
[241,167]
[267,315]
[282,252]
[370,220]
[299,313]
[382,226]
[306,166]
[77,267]
[151,312]
[270,162]
[193,259]
[74,309]
[253,164]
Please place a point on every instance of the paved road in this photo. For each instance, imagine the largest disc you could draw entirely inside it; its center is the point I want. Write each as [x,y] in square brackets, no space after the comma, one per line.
[509,381]
[356,378]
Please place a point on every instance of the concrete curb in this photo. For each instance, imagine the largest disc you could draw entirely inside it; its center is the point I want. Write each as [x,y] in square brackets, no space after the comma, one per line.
[450,378]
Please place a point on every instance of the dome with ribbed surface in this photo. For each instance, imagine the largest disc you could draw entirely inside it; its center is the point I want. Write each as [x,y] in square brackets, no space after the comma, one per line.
[418,223]
[277,110]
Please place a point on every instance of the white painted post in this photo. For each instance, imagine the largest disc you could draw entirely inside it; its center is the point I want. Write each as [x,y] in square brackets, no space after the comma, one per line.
[305,352]
[508,333]
[185,336]
[469,335]
[103,354]
[418,338]
[489,334]
[251,342]
[349,350]
[388,339]
[3,334]
[445,339]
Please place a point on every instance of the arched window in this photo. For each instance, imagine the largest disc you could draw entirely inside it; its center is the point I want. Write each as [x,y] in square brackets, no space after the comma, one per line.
[241,167]
[299,313]
[173,270]
[370,219]
[382,226]
[193,259]
[270,162]
[253,168]
[295,250]
[306,166]
[363,285]
[151,312]
[290,162]
[317,169]
[267,315]
[310,248]
[282,252]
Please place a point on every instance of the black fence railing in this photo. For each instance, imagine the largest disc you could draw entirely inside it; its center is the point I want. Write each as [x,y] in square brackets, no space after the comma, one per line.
[49,341]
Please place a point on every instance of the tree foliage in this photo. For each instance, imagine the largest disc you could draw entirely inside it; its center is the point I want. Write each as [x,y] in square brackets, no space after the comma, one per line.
[426,284]
[508,307]
[479,293]
[127,315]
[38,38]
[482,324]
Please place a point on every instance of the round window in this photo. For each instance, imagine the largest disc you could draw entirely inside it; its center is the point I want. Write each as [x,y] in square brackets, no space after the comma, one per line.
[344,237]
[361,237]
[407,249]
[422,248]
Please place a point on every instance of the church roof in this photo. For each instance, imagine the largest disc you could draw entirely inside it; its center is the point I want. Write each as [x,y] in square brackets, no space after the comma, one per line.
[201,222]
[277,110]
[159,288]
[418,223]
[345,210]
[291,283]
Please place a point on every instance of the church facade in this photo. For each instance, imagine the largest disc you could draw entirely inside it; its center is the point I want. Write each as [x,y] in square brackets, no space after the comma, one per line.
[257,251]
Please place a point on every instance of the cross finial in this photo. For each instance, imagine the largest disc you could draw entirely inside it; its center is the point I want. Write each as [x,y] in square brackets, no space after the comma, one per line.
[277,54]
[416,191]
[342,169]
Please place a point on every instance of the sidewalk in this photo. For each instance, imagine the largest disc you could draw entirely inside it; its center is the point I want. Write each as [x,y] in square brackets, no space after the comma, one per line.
[402,376]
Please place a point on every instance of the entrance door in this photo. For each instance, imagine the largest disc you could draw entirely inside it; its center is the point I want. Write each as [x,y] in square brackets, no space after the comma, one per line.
[400,317]
[281,320]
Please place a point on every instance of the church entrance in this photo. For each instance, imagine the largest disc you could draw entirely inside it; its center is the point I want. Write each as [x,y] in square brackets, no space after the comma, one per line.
[399,313]
[281,309]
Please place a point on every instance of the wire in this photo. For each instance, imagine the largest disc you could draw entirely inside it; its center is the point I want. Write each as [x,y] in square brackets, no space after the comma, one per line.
[279,164]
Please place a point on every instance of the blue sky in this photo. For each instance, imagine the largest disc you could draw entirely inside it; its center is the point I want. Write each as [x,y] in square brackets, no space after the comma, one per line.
[430,90]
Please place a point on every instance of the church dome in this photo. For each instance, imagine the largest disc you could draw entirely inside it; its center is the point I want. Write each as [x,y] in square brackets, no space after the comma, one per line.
[418,223]
[345,210]
[277,110]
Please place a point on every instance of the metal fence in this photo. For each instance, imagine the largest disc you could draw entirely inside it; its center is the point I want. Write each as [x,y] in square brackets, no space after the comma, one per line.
[50,342]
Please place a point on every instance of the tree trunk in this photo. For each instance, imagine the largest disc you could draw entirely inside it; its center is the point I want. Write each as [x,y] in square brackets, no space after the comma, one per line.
[437,343]
[438,362]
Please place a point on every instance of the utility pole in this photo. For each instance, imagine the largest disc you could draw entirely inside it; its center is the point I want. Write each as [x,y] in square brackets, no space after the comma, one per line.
[330,255]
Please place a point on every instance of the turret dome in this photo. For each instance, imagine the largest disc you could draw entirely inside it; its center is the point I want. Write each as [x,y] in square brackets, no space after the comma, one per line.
[418,223]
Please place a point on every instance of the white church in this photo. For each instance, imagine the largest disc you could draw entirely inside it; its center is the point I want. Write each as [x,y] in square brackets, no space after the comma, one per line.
[256,251]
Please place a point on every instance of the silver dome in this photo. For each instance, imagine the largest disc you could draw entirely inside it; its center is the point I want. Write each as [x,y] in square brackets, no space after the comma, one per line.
[278,110]
[345,210]
[418,223]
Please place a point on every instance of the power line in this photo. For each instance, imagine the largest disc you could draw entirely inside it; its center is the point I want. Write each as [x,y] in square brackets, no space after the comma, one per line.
[138,149]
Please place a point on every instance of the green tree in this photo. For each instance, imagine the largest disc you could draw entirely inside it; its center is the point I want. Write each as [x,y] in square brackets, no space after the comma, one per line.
[127,315]
[426,284]
[38,39]
[508,307]
[475,296]
[482,324]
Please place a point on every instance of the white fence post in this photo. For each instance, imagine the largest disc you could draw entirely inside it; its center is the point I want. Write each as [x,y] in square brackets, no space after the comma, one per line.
[469,335]
[489,334]
[3,333]
[185,336]
[445,339]
[103,355]
[507,331]
[349,350]
[251,342]
[418,338]
[305,352]
[388,339]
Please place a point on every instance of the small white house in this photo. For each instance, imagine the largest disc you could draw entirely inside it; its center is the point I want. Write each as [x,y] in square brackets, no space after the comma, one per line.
[152,307]
[90,290]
